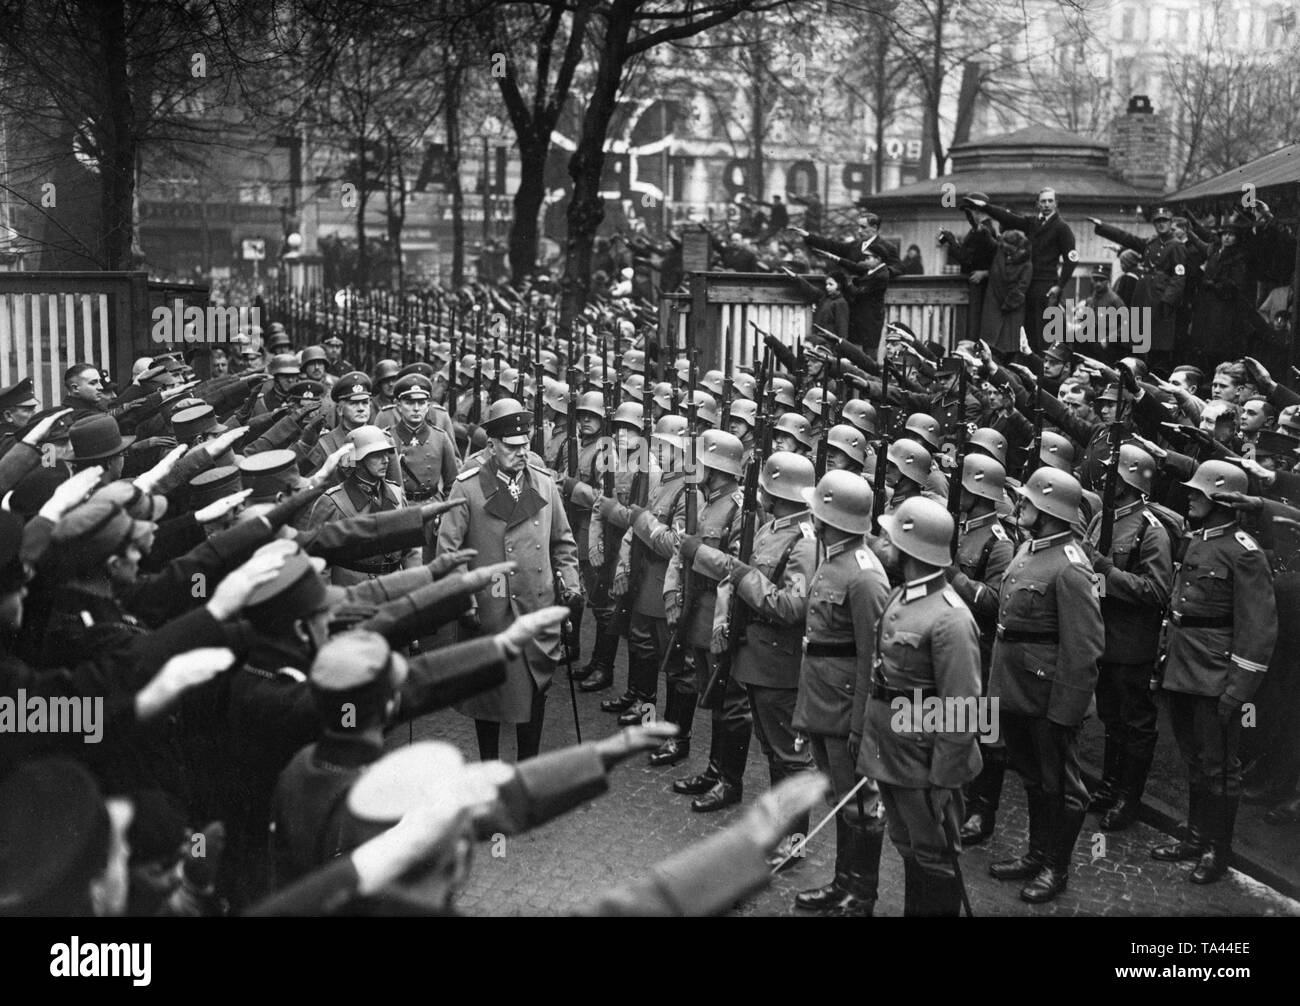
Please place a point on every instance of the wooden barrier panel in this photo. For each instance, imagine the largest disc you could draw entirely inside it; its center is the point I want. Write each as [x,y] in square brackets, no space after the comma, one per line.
[934,307]
[51,320]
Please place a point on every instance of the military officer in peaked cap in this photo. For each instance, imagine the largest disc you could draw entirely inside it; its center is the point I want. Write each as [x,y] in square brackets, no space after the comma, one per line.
[426,455]
[514,514]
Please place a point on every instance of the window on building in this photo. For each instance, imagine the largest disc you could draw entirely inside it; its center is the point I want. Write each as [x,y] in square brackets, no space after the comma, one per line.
[1176,25]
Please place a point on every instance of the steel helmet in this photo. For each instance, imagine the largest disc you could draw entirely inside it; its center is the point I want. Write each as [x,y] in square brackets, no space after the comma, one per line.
[1217,477]
[593,402]
[926,427]
[816,401]
[314,354]
[634,387]
[746,411]
[550,362]
[283,363]
[921,528]
[683,368]
[720,450]
[509,377]
[991,441]
[367,440]
[795,425]
[784,392]
[672,430]
[910,458]
[385,369]
[842,500]
[706,407]
[663,395]
[712,382]
[786,475]
[745,386]
[850,440]
[634,360]
[556,395]
[984,477]
[629,414]
[861,414]
[468,363]
[1054,492]
[1056,450]
[1136,467]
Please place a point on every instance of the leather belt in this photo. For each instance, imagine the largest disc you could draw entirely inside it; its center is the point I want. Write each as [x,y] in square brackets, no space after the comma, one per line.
[1201,622]
[884,694]
[1019,636]
[831,649]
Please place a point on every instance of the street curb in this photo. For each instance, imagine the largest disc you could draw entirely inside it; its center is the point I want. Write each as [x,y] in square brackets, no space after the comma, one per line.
[1161,815]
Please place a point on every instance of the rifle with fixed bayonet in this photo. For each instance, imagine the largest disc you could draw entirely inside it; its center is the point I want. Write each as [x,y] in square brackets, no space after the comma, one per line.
[711,697]
[1116,436]
[885,417]
[963,446]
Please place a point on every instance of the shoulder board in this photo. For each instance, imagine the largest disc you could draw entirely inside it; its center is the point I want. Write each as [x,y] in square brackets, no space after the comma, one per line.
[468,473]
[865,559]
[951,597]
[439,407]
[1073,553]
[739,497]
[334,490]
[998,531]
[1246,541]
[294,674]
[806,529]
[1152,519]
[541,469]
[386,408]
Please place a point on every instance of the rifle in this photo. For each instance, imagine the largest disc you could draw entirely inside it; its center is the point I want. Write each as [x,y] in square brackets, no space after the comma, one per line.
[1116,435]
[728,382]
[711,697]
[476,406]
[639,496]
[963,446]
[539,375]
[819,465]
[885,415]
[609,536]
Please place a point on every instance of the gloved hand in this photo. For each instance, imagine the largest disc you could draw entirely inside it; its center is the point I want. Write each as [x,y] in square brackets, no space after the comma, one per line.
[1229,708]
[310,435]
[738,571]
[566,487]
[167,443]
[470,624]
[672,608]
[443,564]
[690,545]
[618,586]
[941,800]
[607,507]
[634,512]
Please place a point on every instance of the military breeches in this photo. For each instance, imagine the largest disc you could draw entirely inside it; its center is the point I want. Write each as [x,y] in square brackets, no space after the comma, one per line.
[1127,706]
[1210,749]
[915,830]
[773,710]
[832,756]
[1046,755]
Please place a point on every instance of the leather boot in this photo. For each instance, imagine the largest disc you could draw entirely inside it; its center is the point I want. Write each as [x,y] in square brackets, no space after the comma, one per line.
[642,683]
[1195,843]
[819,899]
[701,783]
[680,711]
[1051,880]
[1028,865]
[722,795]
[1112,771]
[1221,820]
[913,888]
[985,794]
[937,897]
[1132,785]
[621,704]
[603,653]
[863,873]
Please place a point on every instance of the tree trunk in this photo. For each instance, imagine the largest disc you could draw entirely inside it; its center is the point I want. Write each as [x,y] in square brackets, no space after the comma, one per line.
[116,137]
[530,195]
[758,63]
[451,87]
[363,254]
[586,208]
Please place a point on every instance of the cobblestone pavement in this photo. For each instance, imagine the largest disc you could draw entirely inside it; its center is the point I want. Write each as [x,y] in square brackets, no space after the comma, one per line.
[640,821]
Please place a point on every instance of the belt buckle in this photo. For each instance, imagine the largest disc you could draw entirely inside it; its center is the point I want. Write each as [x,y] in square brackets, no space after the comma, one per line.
[1001,630]
[1176,617]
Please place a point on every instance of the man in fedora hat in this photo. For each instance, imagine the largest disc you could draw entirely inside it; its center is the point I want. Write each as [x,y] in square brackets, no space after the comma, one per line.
[97,440]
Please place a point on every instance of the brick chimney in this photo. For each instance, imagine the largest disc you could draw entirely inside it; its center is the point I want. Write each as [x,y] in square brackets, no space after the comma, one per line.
[1139,147]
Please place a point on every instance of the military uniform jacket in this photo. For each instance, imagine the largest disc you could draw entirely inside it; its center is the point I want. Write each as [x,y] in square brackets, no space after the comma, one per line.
[1050,633]
[984,551]
[534,532]
[927,643]
[1135,584]
[624,474]
[845,600]
[591,455]
[658,530]
[1224,581]
[718,521]
[771,648]
[350,499]
[1162,283]
[426,461]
